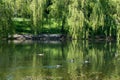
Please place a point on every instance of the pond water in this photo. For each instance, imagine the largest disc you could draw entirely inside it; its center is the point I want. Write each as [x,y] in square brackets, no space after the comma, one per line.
[70,60]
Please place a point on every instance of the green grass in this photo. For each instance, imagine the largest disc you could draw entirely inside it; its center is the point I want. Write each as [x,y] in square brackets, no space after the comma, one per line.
[23,25]
[20,19]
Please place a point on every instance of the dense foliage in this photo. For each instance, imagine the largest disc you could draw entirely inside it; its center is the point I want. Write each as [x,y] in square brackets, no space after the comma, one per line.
[77,18]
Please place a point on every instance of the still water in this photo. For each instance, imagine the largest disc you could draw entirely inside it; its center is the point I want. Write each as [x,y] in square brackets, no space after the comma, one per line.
[72,60]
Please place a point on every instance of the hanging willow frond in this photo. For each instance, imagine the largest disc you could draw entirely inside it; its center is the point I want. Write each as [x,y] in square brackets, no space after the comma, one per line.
[97,16]
[37,7]
[76,19]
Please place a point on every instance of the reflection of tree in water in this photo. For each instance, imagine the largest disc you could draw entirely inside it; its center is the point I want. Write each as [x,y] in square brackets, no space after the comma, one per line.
[79,60]
[92,60]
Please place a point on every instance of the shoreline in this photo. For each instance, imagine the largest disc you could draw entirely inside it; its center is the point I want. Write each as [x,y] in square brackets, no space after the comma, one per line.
[55,37]
[40,37]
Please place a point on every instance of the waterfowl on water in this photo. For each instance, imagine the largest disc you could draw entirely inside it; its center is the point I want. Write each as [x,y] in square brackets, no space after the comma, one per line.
[58,66]
[72,60]
[40,54]
[86,61]
[117,55]
[53,66]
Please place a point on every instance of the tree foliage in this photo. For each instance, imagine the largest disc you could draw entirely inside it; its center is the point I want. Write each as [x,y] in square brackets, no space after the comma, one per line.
[80,18]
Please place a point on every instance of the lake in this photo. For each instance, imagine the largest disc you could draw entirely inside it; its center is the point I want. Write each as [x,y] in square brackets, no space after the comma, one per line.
[55,60]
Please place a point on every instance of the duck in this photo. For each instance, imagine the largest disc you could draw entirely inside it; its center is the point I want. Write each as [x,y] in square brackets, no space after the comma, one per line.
[53,66]
[117,55]
[40,54]
[58,65]
[72,60]
[86,61]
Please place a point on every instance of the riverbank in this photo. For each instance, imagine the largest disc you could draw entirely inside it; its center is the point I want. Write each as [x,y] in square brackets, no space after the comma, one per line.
[42,37]
[56,37]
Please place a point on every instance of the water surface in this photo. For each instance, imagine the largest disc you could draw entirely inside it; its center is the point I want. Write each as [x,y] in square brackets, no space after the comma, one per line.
[72,60]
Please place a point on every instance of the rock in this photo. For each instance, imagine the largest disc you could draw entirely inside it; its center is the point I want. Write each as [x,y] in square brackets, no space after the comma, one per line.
[27,37]
[19,37]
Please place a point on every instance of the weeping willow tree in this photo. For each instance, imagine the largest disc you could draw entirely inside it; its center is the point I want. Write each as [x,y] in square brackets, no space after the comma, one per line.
[91,18]
[37,7]
[57,13]
[117,16]
[81,18]
[102,21]
[110,24]
[75,19]
[30,9]
[5,20]
[96,19]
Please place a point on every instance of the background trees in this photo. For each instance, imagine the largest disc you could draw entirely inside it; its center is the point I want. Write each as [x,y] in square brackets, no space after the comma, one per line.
[6,27]
[77,18]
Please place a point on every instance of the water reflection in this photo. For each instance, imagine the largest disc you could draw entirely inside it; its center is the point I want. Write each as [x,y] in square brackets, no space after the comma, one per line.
[74,60]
